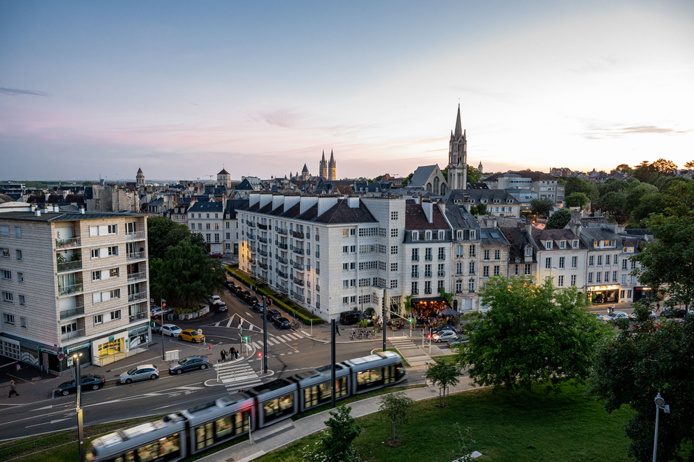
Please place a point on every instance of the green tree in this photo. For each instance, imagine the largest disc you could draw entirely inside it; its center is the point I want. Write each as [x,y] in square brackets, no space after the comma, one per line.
[632,368]
[396,407]
[559,219]
[443,375]
[336,445]
[542,206]
[577,199]
[666,262]
[624,168]
[407,179]
[575,184]
[614,204]
[634,195]
[531,332]
[473,175]
[664,167]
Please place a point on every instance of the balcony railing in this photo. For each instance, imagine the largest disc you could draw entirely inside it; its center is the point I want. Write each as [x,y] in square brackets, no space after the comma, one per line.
[282,260]
[135,255]
[317,288]
[262,239]
[297,234]
[136,276]
[252,236]
[78,311]
[73,334]
[71,289]
[70,266]
[415,275]
[284,290]
[299,266]
[299,282]
[262,226]
[136,316]
[262,252]
[138,296]
[281,230]
[64,243]
[416,258]
[283,246]
[262,265]
[282,274]
[317,254]
[298,250]
[441,274]
[136,236]
[428,258]
[250,223]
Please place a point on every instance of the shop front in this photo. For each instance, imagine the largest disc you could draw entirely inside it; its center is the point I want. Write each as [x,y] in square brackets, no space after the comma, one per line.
[604,294]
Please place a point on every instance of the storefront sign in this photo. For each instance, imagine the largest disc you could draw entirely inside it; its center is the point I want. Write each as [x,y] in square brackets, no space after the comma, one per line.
[71,349]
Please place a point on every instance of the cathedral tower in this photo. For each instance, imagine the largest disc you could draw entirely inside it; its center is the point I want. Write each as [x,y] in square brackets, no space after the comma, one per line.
[457,157]
[323,168]
[332,167]
[139,178]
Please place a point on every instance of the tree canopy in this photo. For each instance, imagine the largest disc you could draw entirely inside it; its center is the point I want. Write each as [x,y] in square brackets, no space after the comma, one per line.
[542,206]
[444,375]
[559,219]
[577,199]
[531,332]
[396,407]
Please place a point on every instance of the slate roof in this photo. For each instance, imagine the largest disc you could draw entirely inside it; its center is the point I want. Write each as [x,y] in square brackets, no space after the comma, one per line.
[460,218]
[421,175]
[476,196]
[60,216]
[206,207]
[565,234]
[232,206]
[343,213]
[416,219]
[492,236]
[518,239]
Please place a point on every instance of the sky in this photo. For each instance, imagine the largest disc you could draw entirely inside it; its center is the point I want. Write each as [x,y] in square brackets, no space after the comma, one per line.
[183,89]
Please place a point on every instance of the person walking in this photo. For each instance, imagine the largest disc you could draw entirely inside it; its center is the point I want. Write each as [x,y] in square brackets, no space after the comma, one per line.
[223,354]
[13,389]
[232,353]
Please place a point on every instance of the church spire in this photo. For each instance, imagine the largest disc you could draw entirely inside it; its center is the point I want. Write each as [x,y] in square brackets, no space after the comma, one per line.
[458,125]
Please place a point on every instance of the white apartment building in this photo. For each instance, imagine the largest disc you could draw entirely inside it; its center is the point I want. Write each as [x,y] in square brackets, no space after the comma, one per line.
[207,219]
[72,282]
[561,256]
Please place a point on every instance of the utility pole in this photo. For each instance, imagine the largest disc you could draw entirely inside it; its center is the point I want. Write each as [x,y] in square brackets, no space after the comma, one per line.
[162,305]
[332,362]
[80,417]
[385,325]
[264,335]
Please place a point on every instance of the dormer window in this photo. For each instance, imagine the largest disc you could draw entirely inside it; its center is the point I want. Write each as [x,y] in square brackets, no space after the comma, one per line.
[574,243]
[415,235]
[528,251]
[548,245]
[473,234]
[441,235]
[562,244]
[460,235]
[427,235]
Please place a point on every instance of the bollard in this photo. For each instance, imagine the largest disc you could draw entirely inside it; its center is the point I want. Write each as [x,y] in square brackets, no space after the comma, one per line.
[209,347]
[18,367]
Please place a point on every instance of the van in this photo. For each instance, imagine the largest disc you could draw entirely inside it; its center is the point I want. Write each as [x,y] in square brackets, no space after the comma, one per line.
[350,317]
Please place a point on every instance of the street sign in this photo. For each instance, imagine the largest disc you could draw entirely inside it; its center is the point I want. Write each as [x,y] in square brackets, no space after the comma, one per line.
[61,356]
[199,331]
[69,361]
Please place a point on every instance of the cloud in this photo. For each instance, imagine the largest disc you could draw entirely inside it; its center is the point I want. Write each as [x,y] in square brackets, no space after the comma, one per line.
[283,117]
[19,91]
[596,132]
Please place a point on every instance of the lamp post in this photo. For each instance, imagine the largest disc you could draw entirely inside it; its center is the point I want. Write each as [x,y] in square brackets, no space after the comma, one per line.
[80,422]
[162,306]
[659,404]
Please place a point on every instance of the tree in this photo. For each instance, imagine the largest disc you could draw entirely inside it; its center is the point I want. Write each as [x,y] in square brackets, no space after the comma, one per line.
[624,168]
[407,179]
[666,262]
[542,206]
[444,375]
[396,407]
[531,332]
[336,445]
[473,175]
[575,184]
[614,204]
[689,165]
[577,199]
[633,368]
[559,219]
[664,167]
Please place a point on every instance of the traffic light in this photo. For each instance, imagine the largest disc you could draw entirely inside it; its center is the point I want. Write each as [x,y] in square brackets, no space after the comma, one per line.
[428,336]
[410,320]
[260,355]
[245,339]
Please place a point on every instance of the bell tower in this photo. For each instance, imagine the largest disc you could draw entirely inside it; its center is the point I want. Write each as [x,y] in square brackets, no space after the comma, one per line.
[457,157]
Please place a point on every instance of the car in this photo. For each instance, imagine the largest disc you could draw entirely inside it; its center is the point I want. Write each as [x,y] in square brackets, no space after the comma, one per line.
[272,315]
[616,315]
[213,299]
[191,335]
[158,311]
[156,328]
[88,382]
[438,329]
[458,341]
[216,255]
[675,313]
[257,308]
[348,318]
[189,363]
[139,373]
[282,323]
[172,330]
[221,306]
[444,336]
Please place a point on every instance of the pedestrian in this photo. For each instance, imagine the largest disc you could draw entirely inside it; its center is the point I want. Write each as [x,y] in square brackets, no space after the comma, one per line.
[657,307]
[612,309]
[13,389]
[236,353]
[232,353]
[223,354]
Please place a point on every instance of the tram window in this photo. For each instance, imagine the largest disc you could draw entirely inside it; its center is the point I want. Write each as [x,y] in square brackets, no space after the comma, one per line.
[204,436]
[276,408]
[242,422]
[369,377]
[164,449]
[224,427]
[341,388]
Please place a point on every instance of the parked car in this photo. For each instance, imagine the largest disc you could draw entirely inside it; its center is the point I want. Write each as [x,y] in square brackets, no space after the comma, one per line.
[350,317]
[458,341]
[616,315]
[273,314]
[213,299]
[139,373]
[216,255]
[156,328]
[189,363]
[172,330]
[438,329]
[444,336]
[676,313]
[158,311]
[256,307]
[191,335]
[88,382]
[282,323]
[221,306]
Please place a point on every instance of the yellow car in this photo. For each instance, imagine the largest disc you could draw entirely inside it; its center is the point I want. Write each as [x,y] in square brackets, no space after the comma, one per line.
[191,335]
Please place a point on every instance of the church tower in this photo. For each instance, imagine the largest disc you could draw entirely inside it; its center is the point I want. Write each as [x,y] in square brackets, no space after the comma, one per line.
[139,178]
[224,179]
[304,173]
[323,168]
[457,157]
[332,167]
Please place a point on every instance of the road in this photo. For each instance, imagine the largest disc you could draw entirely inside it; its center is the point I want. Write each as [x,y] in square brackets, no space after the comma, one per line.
[289,351]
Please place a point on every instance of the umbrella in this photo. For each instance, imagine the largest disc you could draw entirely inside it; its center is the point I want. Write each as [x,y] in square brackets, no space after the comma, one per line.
[449,312]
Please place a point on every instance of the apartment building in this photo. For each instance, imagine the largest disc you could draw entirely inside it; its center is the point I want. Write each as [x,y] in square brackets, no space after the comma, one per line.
[207,219]
[72,283]
[561,257]
[466,249]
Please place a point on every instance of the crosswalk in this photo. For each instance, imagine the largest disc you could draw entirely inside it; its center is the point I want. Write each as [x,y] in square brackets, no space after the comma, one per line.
[275,340]
[237,374]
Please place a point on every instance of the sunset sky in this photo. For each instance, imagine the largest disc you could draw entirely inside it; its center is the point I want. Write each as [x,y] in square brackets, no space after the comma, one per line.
[182,89]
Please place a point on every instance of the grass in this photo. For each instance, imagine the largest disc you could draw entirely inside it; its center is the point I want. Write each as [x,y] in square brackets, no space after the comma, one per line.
[542,426]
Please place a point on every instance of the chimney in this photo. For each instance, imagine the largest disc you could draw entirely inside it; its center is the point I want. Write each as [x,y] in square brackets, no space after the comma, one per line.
[428,208]
[37,212]
[528,227]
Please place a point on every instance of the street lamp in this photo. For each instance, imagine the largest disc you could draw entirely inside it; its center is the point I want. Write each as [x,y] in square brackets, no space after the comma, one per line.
[80,422]
[659,404]
[162,305]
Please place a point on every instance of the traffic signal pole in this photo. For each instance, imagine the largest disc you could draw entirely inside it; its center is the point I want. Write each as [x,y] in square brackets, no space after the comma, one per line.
[264,335]
[385,323]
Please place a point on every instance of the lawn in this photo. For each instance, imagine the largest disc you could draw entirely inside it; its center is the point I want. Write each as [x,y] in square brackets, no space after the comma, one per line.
[542,426]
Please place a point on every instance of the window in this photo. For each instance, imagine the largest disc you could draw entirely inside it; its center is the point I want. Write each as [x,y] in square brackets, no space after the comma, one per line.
[485,271]
[415,288]
[573,280]
[207,226]
[458,286]
[393,283]
[7,297]
[427,271]
[459,251]
[548,245]
[427,287]
[471,285]
[607,276]
[548,262]
[23,321]
[472,247]
[591,260]
[4,252]
[459,269]
[442,271]
[574,262]
[624,264]
[528,251]
[633,264]
[112,229]
[345,249]
[562,245]
[345,300]
[415,254]
[22,301]
[18,254]
[393,215]
[415,235]
[607,259]
[598,277]
[393,233]
[599,260]
[486,255]
[114,294]
[393,266]
[96,275]
[113,251]
[8,318]
[98,319]
[624,279]
[415,271]
[561,262]
[497,270]
[20,277]
[528,268]
[18,234]
[427,254]
[393,249]
[590,278]
[614,276]
[497,254]
[115,315]
[6,275]
[442,253]
[4,230]
[113,273]
[439,285]
[96,253]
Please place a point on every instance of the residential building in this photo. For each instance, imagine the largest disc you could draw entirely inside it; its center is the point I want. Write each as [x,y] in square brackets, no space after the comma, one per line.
[207,219]
[561,256]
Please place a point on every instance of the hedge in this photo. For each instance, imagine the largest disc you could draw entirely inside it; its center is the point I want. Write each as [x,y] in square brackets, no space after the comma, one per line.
[280,300]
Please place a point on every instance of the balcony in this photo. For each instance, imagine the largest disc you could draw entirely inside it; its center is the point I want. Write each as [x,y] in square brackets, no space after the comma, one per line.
[262,252]
[317,254]
[317,288]
[252,236]
[136,236]
[66,243]
[297,265]
[262,265]
[283,245]
[138,296]
[298,250]
[262,239]
[282,274]
[317,304]
[297,234]
[135,255]
[299,282]
[427,274]
[281,230]
[66,314]
[69,266]
[250,224]
[71,289]
[441,274]
[262,226]
[73,334]
[428,258]
[415,258]
[283,290]
[138,316]
[415,275]
[136,276]
[282,260]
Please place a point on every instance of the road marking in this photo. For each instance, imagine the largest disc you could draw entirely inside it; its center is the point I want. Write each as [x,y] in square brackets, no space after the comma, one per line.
[47,423]
[282,339]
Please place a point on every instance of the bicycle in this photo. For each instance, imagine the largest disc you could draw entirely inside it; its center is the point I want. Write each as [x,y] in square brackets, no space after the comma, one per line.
[351,335]
[296,325]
